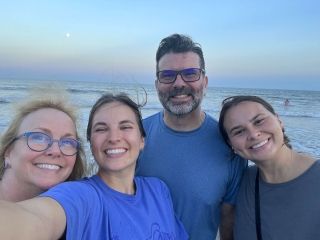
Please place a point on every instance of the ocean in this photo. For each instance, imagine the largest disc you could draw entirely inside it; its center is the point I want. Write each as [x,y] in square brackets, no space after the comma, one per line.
[301,117]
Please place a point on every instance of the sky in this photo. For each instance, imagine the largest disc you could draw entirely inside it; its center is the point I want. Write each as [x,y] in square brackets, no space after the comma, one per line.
[246,43]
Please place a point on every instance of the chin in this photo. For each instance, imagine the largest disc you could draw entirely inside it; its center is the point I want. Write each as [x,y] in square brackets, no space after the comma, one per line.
[47,185]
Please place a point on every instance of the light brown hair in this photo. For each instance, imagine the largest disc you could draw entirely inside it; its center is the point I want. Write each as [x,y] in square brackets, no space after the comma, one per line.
[42,97]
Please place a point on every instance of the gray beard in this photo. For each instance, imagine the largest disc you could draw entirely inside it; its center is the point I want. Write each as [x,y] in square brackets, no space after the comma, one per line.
[181,109]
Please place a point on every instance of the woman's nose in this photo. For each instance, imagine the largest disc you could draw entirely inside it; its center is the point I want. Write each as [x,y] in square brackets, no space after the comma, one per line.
[54,149]
[114,136]
[253,133]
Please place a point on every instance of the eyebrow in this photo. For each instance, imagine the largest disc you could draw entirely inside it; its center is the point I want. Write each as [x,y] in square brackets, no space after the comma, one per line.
[234,128]
[127,121]
[49,132]
[121,122]
[255,117]
[99,124]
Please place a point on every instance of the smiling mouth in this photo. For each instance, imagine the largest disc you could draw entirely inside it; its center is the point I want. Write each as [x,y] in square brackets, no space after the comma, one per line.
[115,151]
[181,97]
[48,166]
[259,144]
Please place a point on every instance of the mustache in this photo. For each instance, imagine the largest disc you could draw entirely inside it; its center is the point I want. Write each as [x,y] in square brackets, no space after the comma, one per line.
[180,91]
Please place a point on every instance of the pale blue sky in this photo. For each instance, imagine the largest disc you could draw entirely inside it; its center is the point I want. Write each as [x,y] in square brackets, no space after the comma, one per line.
[247,43]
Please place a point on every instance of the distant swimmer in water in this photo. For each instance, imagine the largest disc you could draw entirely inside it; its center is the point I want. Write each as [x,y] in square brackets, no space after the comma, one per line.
[286,102]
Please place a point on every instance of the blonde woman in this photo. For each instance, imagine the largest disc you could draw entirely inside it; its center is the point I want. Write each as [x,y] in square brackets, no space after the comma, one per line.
[40,148]
[114,203]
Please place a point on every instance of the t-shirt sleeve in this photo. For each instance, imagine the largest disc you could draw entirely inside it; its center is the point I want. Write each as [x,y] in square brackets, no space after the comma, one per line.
[73,197]
[237,167]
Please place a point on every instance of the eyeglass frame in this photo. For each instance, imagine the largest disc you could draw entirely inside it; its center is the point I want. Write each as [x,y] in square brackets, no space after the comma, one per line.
[52,140]
[179,72]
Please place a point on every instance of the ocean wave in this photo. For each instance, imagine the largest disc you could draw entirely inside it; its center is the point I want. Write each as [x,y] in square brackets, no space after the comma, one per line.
[4,101]
[74,90]
[300,117]
[293,115]
[13,88]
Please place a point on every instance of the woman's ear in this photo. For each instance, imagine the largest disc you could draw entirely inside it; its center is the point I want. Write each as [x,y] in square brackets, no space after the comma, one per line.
[7,158]
[142,143]
[281,123]
[235,152]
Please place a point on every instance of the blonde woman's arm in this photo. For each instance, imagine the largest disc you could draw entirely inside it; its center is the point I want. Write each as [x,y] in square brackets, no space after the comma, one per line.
[38,218]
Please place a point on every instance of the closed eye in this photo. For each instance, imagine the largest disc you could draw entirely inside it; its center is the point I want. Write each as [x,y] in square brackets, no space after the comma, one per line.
[101,129]
[238,132]
[259,121]
[126,127]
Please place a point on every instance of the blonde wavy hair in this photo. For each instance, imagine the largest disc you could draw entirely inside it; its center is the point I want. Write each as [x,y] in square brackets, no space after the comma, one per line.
[51,96]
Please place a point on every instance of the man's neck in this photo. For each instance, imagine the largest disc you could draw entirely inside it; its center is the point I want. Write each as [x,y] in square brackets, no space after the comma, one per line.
[184,123]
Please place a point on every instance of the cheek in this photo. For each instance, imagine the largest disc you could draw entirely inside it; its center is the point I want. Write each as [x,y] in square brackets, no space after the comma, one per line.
[70,163]
[237,143]
[163,88]
[23,158]
[136,141]
[72,160]
[276,129]
[199,86]
[23,153]
[95,143]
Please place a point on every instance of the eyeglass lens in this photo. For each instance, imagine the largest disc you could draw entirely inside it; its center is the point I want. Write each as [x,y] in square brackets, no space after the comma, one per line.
[38,141]
[188,75]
